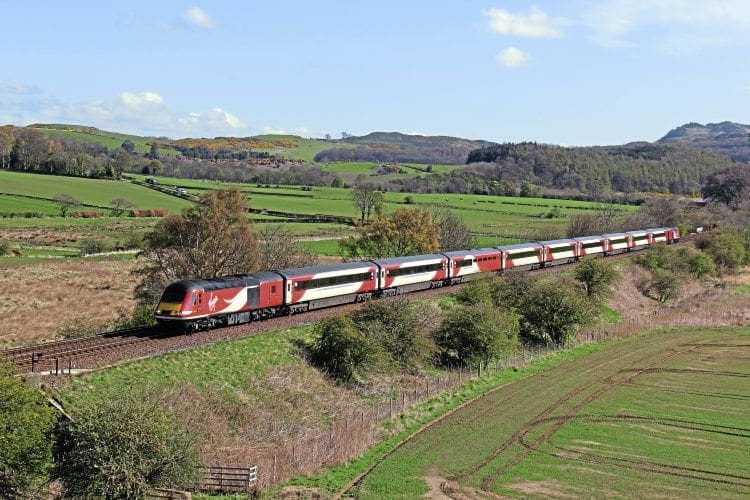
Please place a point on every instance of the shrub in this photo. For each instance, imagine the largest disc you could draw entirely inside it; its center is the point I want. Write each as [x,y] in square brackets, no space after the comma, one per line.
[340,349]
[26,425]
[393,325]
[700,265]
[552,309]
[409,200]
[475,334]
[597,276]
[727,249]
[4,248]
[141,315]
[665,285]
[122,446]
[91,246]
[76,328]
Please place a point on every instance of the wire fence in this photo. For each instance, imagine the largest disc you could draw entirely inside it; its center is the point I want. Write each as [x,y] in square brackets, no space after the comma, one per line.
[355,432]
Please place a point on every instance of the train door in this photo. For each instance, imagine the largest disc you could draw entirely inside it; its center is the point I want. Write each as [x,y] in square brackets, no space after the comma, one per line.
[253,296]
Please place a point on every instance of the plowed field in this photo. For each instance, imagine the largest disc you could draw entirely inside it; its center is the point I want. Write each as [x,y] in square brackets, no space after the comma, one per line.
[663,414]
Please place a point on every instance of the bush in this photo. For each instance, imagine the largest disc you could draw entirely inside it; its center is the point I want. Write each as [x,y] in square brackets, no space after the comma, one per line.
[665,285]
[701,265]
[340,349]
[727,249]
[409,200]
[26,425]
[91,246]
[76,328]
[142,315]
[552,309]
[475,334]
[394,327]
[4,248]
[123,446]
[597,276]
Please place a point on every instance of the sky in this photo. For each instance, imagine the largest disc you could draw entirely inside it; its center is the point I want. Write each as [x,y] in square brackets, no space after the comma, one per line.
[561,72]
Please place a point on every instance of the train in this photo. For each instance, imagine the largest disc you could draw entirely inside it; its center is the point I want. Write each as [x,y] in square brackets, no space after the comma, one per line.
[201,304]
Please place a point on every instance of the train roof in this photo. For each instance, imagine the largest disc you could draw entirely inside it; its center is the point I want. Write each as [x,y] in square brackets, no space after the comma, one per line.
[557,242]
[306,271]
[518,246]
[473,251]
[614,235]
[230,281]
[408,259]
[589,238]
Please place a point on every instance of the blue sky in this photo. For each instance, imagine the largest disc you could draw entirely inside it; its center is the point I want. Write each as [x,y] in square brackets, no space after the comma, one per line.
[571,73]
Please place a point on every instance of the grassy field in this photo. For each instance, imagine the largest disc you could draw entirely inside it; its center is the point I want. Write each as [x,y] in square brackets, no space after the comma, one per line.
[97,192]
[111,140]
[662,414]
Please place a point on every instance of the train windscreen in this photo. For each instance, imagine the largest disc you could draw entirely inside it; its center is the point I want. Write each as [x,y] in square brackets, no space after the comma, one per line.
[174,293]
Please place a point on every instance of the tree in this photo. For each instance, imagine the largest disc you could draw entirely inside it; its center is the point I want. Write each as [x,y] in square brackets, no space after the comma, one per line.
[123,446]
[118,206]
[454,234]
[26,426]
[128,146]
[153,153]
[406,232]
[367,200]
[211,238]
[474,334]
[340,349]
[729,185]
[123,162]
[597,276]
[65,203]
[278,249]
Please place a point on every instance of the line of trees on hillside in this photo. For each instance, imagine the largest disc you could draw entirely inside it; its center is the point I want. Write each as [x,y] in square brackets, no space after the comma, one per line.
[672,168]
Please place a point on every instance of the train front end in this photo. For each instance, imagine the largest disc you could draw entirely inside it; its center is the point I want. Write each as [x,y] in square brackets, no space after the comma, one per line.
[176,304]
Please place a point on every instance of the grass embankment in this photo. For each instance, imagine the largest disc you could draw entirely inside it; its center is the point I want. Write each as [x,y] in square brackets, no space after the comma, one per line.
[111,140]
[662,414]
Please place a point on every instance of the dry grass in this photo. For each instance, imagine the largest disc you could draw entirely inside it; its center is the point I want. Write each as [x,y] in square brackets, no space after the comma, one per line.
[36,300]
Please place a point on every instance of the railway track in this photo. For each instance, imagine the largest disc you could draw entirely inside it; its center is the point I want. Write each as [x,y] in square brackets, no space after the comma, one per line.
[61,355]
[65,356]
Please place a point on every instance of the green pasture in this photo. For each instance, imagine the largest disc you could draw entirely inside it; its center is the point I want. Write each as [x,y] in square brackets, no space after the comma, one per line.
[111,140]
[95,192]
[303,149]
[20,205]
[661,414]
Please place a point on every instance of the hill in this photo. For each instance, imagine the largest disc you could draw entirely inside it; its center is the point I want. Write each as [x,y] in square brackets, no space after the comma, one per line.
[728,138]
[398,147]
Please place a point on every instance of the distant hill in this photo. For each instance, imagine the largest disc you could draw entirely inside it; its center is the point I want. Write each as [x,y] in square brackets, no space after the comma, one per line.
[728,138]
[398,147]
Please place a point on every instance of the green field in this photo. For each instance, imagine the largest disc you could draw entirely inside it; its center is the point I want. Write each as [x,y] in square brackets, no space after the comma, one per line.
[111,140]
[94,192]
[660,415]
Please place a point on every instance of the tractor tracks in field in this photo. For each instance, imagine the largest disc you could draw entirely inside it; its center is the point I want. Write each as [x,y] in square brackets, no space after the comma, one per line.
[546,412]
[741,481]
[519,437]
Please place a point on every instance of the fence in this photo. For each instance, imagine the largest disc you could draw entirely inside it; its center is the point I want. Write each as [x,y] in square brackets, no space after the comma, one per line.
[228,479]
[356,431]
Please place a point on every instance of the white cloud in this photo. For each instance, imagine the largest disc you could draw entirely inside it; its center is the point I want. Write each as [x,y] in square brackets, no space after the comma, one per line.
[143,113]
[195,16]
[535,23]
[18,89]
[673,25]
[512,57]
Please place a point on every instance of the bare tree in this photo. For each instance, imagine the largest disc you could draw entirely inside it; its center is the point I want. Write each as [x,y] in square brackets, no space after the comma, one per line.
[278,249]
[454,233]
[65,202]
[118,206]
[367,200]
